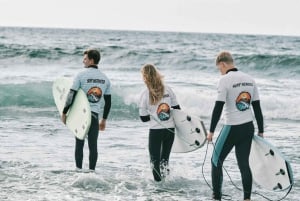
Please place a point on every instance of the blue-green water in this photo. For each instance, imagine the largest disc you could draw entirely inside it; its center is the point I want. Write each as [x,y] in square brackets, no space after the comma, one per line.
[36,152]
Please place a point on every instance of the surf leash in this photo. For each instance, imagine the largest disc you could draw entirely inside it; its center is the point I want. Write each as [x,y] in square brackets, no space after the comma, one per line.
[238,188]
[227,197]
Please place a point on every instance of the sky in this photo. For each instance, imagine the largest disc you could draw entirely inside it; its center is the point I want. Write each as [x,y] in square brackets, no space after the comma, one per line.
[268,17]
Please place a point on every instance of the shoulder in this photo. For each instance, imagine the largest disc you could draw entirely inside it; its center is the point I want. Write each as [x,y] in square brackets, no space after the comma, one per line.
[247,77]
[224,79]
[169,92]
[101,73]
[168,88]
[241,73]
[81,72]
[144,97]
[80,75]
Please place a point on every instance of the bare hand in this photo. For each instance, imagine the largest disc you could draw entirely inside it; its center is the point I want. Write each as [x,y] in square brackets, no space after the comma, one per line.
[209,136]
[102,125]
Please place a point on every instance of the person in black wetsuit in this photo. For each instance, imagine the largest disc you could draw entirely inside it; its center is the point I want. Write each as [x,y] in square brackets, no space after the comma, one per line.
[155,104]
[95,84]
[237,91]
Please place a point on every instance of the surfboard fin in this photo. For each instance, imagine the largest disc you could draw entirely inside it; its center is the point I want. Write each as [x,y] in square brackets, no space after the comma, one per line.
[279,186]
[271,152]
[281,172]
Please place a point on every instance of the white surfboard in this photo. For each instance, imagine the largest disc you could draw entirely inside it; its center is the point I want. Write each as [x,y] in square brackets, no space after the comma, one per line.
[190,132]
[79,114]
[270,169]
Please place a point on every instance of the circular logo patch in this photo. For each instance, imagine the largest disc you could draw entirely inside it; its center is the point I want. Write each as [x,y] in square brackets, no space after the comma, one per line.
[163,112]
[243,101]
[94,94]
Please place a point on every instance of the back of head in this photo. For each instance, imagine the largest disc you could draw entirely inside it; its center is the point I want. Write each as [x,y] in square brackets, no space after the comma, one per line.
[154,82]
[150,73]
[93,54]
[224,57]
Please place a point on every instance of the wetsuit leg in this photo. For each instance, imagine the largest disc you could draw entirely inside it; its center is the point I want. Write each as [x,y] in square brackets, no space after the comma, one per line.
[155,144]
[79,152]
[242,151]
[223,146]
[168,139]
[92,141]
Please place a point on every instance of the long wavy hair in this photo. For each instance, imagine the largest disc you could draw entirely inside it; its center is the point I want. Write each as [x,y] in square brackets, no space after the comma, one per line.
[154,81]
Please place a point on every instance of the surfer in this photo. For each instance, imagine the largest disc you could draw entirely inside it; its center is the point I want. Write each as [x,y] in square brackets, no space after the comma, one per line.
[238,129]
[155,105]
[94,92]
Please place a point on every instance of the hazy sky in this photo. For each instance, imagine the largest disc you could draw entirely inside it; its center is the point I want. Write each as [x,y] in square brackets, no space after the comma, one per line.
[279,17]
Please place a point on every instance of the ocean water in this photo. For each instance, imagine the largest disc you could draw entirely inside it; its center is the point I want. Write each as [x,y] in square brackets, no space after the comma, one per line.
[37,150]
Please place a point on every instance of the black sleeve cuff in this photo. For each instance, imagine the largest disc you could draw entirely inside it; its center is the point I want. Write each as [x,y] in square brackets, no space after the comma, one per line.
[177,107]
[145,118]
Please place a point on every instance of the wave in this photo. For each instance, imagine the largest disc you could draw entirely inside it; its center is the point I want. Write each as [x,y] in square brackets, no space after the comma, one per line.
[29,94]
[36,99]
[125,50]
[121,58]
[8,51]
[33,98]
[288,65]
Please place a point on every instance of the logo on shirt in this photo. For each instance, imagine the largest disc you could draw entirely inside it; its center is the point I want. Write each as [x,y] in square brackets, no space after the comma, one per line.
[243,101]
[163,112]
[94,94]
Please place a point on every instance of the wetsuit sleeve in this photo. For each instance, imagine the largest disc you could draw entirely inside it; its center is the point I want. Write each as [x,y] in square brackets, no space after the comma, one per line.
[69,101]
[216,114]
[258,115]
[176,107]
[107,106]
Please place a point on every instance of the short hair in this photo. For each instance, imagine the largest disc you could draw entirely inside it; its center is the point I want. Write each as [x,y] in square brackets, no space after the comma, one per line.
[224,57]
[93,54]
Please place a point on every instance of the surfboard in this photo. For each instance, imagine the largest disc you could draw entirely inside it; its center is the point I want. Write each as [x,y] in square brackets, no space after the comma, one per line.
[79,114]
[190,132]
[269,167]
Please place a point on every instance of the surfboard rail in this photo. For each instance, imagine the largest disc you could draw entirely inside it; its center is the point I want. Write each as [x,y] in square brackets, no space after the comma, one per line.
[190,132]
[270,169]
[79,114]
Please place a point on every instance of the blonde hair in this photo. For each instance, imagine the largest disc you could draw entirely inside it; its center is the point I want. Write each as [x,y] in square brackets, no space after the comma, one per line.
[224,57]
[154,82]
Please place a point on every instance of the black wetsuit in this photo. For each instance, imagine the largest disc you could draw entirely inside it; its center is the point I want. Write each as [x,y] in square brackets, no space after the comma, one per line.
[96,85]
[92,138]
[161,132]
[237,91]
[160,145]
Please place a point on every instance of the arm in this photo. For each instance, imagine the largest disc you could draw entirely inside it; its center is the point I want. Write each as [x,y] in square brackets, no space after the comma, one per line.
[259,117]
[68,104]
[216,114]
[107,106]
